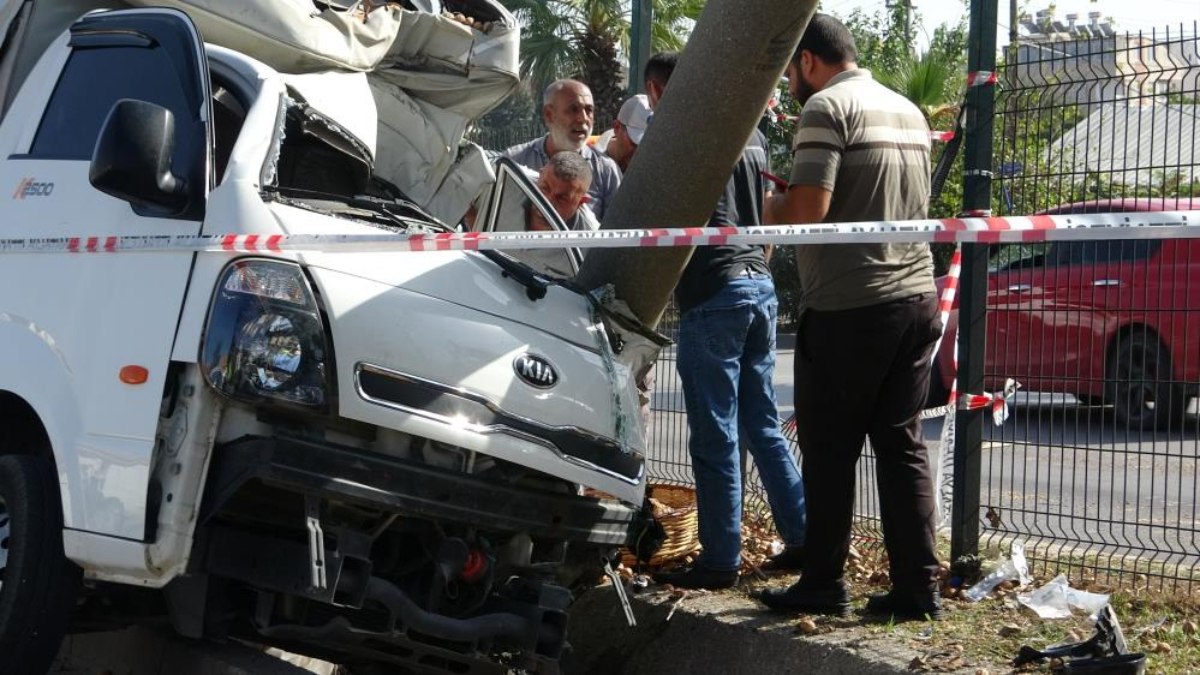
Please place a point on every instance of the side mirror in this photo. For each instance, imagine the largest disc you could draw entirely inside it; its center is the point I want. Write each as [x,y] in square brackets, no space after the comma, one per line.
[132,159]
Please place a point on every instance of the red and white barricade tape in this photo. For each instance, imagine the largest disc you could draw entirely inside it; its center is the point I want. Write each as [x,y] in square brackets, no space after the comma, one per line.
[1159,225]
[998,402]
[982,78]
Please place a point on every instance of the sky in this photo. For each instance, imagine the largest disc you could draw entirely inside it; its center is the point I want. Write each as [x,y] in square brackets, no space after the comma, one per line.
[1128,15]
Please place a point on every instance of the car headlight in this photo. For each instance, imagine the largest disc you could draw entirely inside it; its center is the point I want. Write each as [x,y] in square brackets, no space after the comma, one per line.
[265,337]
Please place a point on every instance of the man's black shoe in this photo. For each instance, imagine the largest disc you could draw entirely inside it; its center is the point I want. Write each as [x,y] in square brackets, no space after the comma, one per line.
[698,576]
[833,599]
[906,606]
[790,559]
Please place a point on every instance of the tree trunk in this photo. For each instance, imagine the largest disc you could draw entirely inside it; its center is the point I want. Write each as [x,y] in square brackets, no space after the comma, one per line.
[717,94]
[602,74]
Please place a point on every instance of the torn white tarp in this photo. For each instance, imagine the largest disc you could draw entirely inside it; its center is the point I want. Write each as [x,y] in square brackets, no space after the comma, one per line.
[434,67]
[464,61]
[294,35]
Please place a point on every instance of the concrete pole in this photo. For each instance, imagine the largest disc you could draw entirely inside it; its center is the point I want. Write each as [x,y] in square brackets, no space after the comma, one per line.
[724,79]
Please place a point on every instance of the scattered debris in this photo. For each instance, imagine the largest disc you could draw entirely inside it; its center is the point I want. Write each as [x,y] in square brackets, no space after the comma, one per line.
[948,660]
[749,565]
[682,595]
[1010,630]
[1104,650]
[966,570]
[1015,567]
[1056,599]
[993,517]
[1151,629]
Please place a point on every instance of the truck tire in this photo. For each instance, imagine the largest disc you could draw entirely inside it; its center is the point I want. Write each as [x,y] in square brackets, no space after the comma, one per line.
[38,585]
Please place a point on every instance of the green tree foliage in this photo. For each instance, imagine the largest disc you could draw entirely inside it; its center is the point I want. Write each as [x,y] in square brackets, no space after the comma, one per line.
[882,36]
[587,40]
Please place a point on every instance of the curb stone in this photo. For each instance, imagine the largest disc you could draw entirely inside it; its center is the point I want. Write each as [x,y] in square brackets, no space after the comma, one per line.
[147,651]
[715,633]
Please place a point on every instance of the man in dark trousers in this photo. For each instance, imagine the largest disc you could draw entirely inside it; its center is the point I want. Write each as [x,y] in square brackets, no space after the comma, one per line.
[726,362]
[867,329]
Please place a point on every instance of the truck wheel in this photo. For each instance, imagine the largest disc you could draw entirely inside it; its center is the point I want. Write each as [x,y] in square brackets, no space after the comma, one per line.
[38,585]
[1139,384]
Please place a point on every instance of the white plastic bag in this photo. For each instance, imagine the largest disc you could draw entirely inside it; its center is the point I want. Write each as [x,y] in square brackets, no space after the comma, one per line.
[1056,599]
[1015,568]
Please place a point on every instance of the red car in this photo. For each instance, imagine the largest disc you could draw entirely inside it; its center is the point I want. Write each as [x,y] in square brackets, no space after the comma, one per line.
[1110,322]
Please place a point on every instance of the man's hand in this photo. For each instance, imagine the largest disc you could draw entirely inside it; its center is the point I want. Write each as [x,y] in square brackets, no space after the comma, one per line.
[800,205]
[770,204]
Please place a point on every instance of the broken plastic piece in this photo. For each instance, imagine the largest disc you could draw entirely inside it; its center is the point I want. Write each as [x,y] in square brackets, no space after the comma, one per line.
[1107,641]
[1015,568]
[619,585]
[1056,599]
[1121,664]
[316,543]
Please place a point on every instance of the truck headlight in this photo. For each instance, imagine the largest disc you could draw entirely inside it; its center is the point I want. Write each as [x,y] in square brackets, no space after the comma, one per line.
[265,337]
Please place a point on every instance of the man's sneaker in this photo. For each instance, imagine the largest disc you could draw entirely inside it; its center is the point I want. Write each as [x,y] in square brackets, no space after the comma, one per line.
[790,559]
[831,599]
[698,576]
[923,606]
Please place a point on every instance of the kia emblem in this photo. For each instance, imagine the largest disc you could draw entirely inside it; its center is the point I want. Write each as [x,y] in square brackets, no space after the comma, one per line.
[535,371]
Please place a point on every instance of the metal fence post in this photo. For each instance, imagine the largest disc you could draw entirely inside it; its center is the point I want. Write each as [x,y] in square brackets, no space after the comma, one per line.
[977,187]
[642,16]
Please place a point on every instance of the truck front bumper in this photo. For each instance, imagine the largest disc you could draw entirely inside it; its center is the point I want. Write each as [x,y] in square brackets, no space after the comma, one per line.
[411,488]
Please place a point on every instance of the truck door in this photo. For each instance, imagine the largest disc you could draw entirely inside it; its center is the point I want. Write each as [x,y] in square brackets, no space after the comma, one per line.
[101,313]
[514,205]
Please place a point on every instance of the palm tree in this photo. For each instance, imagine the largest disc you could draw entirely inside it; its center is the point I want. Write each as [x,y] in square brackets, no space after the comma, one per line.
[673,21]
[932,81]
[585,39]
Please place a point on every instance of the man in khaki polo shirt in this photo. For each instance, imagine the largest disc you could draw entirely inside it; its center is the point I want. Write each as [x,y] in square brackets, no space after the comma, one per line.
[867,329]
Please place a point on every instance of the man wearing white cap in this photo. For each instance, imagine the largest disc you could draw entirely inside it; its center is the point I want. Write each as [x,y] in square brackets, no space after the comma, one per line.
[620,142]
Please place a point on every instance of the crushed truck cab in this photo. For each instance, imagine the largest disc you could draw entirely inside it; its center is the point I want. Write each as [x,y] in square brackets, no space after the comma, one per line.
[378,458]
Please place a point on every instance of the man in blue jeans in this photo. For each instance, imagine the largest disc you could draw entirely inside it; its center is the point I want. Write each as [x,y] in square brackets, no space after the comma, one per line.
[726,362]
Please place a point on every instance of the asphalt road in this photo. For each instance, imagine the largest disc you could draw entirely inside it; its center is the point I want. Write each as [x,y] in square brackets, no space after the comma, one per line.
[1055,471]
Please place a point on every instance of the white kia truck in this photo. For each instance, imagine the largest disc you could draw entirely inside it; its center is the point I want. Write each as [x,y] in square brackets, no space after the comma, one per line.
[380,458]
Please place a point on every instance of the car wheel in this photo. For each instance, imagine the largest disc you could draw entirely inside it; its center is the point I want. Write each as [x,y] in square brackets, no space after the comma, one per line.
[1139,383]
[38,585]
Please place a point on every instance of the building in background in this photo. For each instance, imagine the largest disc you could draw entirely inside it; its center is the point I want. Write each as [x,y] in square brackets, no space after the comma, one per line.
[1089,62]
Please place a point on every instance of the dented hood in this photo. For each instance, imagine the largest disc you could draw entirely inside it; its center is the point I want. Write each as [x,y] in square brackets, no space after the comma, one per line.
[472,280]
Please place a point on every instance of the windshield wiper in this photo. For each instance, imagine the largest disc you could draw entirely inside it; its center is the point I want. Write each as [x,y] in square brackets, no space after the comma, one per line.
[398,212]
[535,284]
